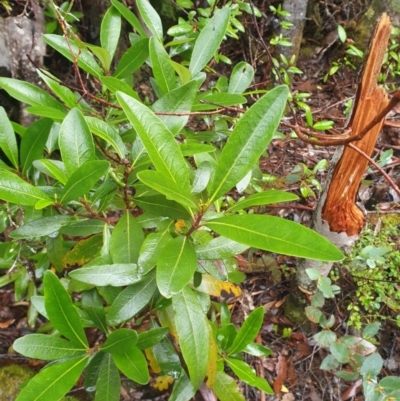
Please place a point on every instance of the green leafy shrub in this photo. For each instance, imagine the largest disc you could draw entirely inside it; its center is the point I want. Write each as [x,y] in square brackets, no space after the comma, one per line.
[118,201]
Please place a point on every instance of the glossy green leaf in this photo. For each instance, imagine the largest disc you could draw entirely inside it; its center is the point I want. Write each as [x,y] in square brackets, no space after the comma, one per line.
[158,205]
[116,275]
[151,18]
[179,100]
[41,227]
[81,55]
[209,40]
[75,141]
[246,374]
[33,142]
[176,265]
[163,71]
[47,112]
[108,133]
[108,384]
[191,149]
[160,144]
[115,85]
[30,94]
[62,92]
[53,382]
[151,337]
[226,388]
[193,333]
[93,306]
[274,234]
[257,350]
[130,17]
[82,228]
[83,179]
[131,300]
[241,77]
[119,339]
[46,348]
[217,100]
[61,311]
[8,141]
[264,198]
[220,248]
[52,168]
[167,187]
[132,59]
[110,30]
[202,177]
[126,240]
[151,249]
[167,358]
[132,363]
[248,141]
[248,331]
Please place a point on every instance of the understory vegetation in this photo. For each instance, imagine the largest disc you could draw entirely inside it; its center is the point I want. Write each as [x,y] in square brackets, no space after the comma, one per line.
[125,214]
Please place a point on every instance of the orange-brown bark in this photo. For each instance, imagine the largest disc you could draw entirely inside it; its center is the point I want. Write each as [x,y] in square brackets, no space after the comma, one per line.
[340,209]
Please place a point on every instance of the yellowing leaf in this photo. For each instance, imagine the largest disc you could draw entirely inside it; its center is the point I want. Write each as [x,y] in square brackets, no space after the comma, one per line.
[179,225]
[155,367]
[211,286]
[84,251]
[163,382]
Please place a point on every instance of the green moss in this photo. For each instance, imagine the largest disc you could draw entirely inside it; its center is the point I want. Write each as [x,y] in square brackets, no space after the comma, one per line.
[12,379]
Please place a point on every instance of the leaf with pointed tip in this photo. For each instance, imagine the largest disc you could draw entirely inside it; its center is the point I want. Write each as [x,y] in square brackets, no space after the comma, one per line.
[108,133]
[151,18]
[34,141]
[176,265]
[160,144]
[93,306]
[83,179]
[81,55]
[61,311]
[46,348]
[167,187]
[264,198]
[193,333]
[179,100]
[248,141]
[8,141]
[132,59]
[29,93]
[220,248]
[278,235]
[163,71]
[209,40]
[243,371]
[116,275]
[241,77]
[248,331]
[52,168]
[75,141]
[110,31]
[130,17]
[53,382]
[151,337]
[131,300]
[41,227]
[158,205]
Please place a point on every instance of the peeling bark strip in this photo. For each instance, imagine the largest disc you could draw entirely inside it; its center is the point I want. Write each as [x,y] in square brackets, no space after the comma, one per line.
[339,209]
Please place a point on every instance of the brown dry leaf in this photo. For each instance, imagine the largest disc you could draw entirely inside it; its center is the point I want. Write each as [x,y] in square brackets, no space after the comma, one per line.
[352,390]
[7,323]
[281,373]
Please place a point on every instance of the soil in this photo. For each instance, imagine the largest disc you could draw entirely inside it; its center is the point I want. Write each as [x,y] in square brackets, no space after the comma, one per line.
[293,368]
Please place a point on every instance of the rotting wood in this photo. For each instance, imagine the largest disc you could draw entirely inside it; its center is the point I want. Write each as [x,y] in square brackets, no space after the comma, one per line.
[340,210]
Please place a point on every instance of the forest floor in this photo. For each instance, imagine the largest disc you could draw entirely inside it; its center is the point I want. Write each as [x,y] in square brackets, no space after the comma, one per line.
[293,369]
